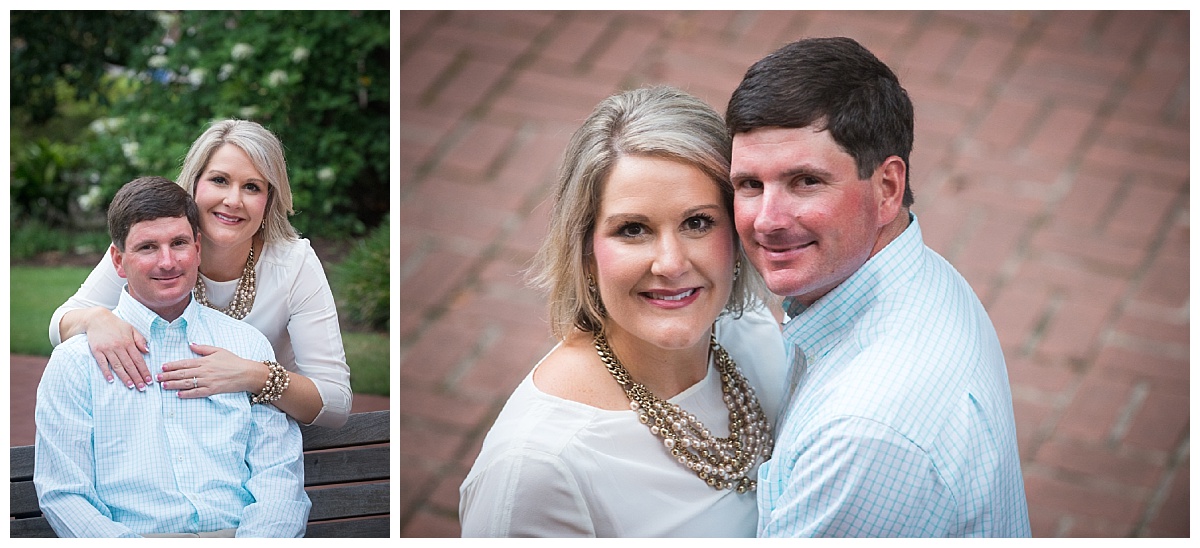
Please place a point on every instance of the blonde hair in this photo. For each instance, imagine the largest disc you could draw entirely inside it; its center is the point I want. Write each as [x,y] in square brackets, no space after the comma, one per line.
[660,122]
[265,152]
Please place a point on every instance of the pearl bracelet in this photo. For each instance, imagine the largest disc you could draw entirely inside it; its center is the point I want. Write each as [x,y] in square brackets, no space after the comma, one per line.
[277,382]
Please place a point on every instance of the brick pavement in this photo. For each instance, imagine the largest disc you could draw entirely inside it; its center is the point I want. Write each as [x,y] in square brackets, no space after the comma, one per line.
[1050,166]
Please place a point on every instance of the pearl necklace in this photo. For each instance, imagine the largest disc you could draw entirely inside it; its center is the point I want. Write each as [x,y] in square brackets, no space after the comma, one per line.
[723,463]
[243,296]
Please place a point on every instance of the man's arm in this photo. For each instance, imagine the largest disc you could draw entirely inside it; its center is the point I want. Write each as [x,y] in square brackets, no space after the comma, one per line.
[856,477]
[276,461]
[64,470]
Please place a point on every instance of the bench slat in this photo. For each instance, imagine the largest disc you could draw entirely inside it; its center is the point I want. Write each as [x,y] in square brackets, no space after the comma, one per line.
[347,465]
[360,429]
[31,528]
[347,501]
[20,463]
[377,527]
[22,499]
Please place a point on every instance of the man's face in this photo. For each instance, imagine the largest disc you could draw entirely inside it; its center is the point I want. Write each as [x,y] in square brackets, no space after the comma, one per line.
[806,220]
[160,264]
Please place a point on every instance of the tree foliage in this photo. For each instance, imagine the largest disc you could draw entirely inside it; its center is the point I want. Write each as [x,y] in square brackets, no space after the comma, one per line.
[76,47]
[317,79]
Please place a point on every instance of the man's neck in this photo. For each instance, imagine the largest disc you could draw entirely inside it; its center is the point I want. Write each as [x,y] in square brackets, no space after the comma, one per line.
[889,232]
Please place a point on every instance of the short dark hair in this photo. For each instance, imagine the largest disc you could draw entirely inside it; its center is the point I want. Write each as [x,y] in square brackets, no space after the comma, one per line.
[146,199]
[835,82]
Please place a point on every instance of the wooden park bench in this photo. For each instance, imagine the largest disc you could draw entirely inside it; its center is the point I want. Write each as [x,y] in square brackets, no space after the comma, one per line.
[346,474]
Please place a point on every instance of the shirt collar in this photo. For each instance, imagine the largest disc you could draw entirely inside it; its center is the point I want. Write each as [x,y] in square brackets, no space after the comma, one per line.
[817,327]
[141,317]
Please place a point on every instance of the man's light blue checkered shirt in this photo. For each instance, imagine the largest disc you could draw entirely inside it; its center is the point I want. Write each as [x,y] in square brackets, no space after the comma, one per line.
[902,420]
[112,462]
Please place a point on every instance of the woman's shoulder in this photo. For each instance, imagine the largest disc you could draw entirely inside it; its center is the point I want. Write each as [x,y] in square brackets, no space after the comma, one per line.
[573,372]
[287,251]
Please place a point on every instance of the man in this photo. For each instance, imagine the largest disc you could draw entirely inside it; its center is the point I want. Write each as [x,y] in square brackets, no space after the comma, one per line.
[900,422]
[122,463]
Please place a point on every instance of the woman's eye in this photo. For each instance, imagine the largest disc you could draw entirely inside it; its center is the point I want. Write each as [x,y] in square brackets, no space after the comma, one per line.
[252,187]
[699,222]
[218,180]
[631,230]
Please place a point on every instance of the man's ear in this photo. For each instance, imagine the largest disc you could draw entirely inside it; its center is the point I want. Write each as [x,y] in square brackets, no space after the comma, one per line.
[889,188]
[117,257]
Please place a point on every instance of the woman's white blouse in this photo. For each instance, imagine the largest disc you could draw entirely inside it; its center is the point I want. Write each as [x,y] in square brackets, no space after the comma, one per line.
[552,467]
[293,307]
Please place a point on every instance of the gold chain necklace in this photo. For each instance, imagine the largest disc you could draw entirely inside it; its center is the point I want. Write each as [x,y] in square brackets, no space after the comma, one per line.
[723,463]
[243,296]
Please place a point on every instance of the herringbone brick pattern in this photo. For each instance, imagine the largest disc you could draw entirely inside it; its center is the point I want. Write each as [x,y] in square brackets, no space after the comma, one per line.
[1050,166]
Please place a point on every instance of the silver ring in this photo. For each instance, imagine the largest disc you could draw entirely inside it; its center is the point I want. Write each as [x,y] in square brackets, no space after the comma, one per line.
[194,384]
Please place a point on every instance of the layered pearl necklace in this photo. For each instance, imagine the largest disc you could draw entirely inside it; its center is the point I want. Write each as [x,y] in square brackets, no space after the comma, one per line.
[723,463]
[243,296]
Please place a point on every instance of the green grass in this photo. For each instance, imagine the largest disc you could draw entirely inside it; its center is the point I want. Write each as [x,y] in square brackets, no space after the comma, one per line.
[36,291]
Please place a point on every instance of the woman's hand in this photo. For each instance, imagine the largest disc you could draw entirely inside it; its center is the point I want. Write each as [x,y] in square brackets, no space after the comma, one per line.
[118,349]
[216,371]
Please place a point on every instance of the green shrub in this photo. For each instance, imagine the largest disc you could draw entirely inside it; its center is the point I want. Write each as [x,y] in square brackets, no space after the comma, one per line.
[361,280]
[28,239]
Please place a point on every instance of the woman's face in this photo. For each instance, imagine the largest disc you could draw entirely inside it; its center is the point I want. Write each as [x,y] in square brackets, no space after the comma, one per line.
[664,251]
[232,197]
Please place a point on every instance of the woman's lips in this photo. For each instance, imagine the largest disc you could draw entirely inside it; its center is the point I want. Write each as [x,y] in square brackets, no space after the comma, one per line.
[671,298]
[227,218]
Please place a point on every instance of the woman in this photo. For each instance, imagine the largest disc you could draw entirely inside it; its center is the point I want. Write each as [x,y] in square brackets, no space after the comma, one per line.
[640,260]
[254,267]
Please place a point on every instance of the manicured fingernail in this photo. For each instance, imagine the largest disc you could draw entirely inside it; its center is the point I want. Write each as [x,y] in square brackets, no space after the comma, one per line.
[109,379]
[160,378]
[129,385]
[149,379]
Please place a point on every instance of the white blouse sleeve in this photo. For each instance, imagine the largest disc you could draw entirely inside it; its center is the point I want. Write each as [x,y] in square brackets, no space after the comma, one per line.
[316,338]
[101,288]
[524,493]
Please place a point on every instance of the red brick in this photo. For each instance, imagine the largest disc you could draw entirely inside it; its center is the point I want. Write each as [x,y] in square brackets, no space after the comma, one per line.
[1143,365]
[428,361]
[1122,159]
[1093,527]
[533,165]
[1015,311]
[1037,381]
[1162,421]
[993,240]
[1086,206]
[1174,515]
[1030,417]
[577,37]
[440,407]
[413,22]
[1061,132]
[1098,464]
[471,85]
[1009,119]
[427,442]
[1141,213]
[1086,249]
[435,278]
[1166,283]
[1074,331]
[1047,524]
[445,495]
[984,58]
[429,524]
[1092,412]
[1154,331]
[629,45]
[415,473]
[420,71]
[1046,493]
[478,149]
